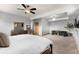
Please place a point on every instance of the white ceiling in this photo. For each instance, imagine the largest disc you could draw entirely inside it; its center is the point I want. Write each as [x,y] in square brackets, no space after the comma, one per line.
[42,9]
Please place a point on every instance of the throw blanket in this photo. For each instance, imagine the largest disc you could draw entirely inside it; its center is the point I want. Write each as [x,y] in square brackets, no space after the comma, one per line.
[4,41]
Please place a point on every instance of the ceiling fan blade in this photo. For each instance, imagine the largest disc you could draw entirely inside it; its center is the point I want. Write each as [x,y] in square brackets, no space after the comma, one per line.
[32,12]
[33,9]
[23,5]
[28,6]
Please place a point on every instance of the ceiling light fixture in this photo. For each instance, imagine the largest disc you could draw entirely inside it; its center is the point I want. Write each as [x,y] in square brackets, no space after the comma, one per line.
[27,11]
[53,19]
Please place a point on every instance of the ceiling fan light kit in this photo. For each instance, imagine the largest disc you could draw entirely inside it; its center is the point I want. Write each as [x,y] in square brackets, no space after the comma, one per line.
[27,11]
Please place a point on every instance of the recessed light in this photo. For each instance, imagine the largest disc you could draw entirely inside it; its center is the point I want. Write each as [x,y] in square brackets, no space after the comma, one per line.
[53,19]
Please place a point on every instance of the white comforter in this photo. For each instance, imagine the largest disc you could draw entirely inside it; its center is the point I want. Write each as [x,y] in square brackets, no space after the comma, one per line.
[26,44]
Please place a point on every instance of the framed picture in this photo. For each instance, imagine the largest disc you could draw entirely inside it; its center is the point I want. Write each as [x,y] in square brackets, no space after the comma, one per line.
[28,27]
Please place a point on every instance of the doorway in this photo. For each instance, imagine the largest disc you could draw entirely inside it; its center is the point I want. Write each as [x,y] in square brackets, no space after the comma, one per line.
[36,28]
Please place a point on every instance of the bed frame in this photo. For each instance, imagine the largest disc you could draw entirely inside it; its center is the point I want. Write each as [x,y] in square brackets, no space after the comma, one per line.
[49,50]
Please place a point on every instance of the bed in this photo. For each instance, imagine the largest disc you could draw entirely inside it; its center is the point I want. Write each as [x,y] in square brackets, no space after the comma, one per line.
[27,44]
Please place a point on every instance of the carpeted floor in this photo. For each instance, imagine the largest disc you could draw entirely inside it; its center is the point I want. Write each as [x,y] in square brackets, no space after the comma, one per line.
[63,45]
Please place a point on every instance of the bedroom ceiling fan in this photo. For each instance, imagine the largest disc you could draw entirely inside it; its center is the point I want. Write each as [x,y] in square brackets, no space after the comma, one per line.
[27,9]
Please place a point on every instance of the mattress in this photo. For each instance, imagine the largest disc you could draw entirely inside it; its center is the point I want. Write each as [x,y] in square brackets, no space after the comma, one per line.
[26,44]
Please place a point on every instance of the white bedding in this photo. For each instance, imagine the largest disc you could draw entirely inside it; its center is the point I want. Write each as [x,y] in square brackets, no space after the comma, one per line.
[26,44]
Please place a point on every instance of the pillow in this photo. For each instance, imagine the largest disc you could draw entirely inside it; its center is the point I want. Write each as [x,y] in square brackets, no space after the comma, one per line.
[4,40]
